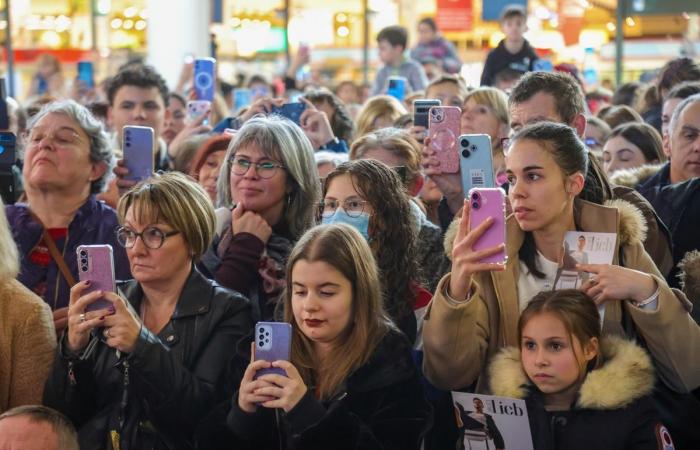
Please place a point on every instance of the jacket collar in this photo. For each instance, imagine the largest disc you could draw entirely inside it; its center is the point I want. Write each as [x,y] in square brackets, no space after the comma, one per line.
[626,375]
[390,363]
[195,297]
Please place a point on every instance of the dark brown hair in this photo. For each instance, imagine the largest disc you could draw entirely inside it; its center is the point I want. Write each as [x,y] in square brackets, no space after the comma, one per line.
[341,123]
[392,230]
[566,91]
[395,35]
[615,115]
[576,310]
[644,136]
[674,72]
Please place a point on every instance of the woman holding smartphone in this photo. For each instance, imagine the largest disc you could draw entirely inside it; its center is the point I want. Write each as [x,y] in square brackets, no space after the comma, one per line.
[350,382]
[269,190]
[142,372]
[476,307]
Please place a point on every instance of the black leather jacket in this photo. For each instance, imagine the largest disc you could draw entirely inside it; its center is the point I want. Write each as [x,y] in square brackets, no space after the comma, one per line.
[153,397]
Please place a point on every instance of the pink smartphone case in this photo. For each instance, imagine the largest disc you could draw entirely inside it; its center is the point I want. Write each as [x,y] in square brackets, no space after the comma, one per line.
[485,203]
[96,264]
[443,128]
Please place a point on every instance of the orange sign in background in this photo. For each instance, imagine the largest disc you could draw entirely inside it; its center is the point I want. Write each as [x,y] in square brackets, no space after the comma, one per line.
[454,15]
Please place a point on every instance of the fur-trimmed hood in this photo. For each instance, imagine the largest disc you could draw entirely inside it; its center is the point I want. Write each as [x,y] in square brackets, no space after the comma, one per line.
[690,275]
[626,375]
[636,176]
[632,227]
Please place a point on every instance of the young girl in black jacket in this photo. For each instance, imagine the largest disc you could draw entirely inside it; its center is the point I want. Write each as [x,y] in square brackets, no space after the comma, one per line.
[351,383]
[581,392]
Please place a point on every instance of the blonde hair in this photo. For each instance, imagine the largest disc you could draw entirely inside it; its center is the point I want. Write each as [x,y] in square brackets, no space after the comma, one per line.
[396,141]
[374,108]
[495,99]
[9,255]
[177,200]
[343,248]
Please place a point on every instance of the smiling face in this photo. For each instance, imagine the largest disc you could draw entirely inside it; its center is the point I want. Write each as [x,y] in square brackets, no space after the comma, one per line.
[538,187]
[156,265]
[685,145]
[265,196]
[58,157]
[321,302]
[553,359]
[619,153]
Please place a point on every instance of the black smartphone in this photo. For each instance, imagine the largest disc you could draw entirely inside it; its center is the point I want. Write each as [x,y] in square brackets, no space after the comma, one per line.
[8,178]
[421,109]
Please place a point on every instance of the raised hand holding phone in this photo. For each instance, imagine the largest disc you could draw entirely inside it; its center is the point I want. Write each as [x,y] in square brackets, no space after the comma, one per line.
[443,130]
[466,260]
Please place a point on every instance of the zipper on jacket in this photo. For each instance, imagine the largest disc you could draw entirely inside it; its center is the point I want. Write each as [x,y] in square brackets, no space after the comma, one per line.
[71,374]
[125,396]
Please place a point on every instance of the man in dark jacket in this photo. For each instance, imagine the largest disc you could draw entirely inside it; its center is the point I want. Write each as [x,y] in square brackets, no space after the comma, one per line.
[514,52]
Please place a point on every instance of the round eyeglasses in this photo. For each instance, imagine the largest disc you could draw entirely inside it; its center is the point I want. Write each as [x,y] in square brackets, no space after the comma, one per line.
[264,169]
[353,208]
[151,237]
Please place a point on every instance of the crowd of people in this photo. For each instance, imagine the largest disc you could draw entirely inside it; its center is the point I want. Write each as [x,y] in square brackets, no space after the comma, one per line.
[347,226]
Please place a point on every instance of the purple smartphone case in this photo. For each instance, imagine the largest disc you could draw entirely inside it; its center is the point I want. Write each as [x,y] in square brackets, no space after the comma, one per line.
[291,111]
[484,203]
[273,342]
[96,263]
[204,78]
[137,147]
[443,129]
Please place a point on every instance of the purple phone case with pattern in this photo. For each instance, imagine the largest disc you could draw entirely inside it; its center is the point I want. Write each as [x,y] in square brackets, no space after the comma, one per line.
[273,342]
[96,263]
[138,146]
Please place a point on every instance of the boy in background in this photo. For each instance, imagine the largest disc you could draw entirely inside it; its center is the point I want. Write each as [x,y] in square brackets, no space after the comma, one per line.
[514,52]
[392,43]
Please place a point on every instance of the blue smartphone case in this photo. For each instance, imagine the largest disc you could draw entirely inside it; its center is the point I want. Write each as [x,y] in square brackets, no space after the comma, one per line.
[475,162]
[204,78]
[291,111]
[273,342]
[397,88]
[86,73]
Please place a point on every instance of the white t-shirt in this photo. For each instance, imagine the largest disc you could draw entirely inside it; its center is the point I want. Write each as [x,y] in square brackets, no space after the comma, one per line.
[529,285]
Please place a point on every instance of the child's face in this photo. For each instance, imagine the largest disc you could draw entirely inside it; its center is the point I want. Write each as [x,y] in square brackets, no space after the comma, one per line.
[514,28]
[551,360]
[388,53]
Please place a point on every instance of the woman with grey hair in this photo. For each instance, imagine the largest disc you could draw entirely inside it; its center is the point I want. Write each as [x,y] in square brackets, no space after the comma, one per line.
[68,160]
[269,191]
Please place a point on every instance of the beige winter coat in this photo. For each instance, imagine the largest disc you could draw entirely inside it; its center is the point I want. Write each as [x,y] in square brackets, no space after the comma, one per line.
[460,338]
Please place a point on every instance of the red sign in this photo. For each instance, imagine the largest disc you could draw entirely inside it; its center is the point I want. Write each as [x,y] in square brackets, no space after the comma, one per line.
[454,15]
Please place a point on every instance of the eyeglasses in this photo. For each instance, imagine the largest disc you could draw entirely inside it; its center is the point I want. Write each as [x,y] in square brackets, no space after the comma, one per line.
[264,169]
[352,207]
[62,136]
[152,237]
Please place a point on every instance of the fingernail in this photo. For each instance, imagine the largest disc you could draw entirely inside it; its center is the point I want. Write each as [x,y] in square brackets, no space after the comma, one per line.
[87,282]
[102,318]
[112,309]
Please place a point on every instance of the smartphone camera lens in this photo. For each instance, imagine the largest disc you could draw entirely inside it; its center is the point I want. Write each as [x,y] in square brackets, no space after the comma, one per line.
[473,147]
[260,344]
[267,333]
[465,143]
[475,196]
[466,153]
[475,205]
[83,253]
[262,330]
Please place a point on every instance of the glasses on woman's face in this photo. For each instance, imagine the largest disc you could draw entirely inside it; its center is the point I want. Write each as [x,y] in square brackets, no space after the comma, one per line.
[352,207]
[61,136]
[152,237]
[264,169]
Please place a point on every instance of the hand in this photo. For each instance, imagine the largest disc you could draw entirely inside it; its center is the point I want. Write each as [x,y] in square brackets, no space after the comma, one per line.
[243,221]
[315,125]
[465,260]
[248,399]
[261,106]
[121,172]
[60,319]
[81,93]
[79,329]
[450,184]
[196,126]
[612,282]
[122,329]
[286,391]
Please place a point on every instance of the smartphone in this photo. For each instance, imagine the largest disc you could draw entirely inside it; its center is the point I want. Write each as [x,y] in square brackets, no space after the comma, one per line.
[273,342]
[421,109]
[291,111]
[8,146]
[485,203]
[443,130]
[86,73]
[204,78]
[196,108]
[137,147]
[242,97]
[96,264]
[8,174]
[397,88]
[4,112]
[475,161]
